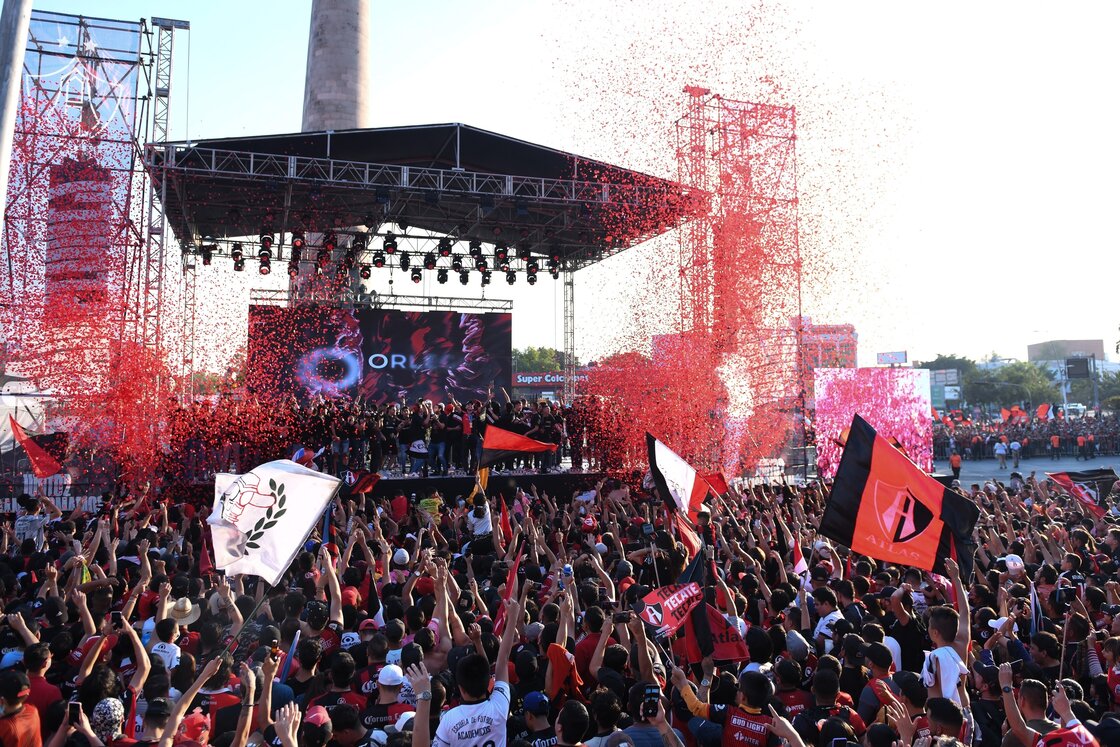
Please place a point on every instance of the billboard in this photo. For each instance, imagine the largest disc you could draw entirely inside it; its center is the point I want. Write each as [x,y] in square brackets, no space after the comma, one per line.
[377,354]
[895,401]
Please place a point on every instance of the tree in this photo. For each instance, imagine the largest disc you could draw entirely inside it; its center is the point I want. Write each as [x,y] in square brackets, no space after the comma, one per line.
[537,359]
[1017,383]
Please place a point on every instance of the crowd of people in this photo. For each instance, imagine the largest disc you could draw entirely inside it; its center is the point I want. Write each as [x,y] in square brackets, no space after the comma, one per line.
[1082,438]
[407,624]
[417,438]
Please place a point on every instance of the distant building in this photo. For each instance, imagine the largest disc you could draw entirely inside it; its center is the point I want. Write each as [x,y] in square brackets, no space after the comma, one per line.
[1055,350]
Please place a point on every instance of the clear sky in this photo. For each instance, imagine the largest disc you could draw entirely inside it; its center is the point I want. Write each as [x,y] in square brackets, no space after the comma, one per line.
[956,160]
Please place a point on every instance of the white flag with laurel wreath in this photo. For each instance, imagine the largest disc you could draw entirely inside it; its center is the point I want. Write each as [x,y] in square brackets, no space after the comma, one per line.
[261,519]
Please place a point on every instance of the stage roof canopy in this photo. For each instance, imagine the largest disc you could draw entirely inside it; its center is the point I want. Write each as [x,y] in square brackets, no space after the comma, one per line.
[448,179]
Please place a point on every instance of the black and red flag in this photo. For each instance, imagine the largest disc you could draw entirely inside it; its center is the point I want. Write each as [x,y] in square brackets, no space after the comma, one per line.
[679,484]
[1091,487]
[884,506]
[499,445]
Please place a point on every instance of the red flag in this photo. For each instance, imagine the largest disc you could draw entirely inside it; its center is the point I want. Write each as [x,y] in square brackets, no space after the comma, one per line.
[799,564]
[205,564]
[936,414]
[1005,414]
[499,445]
[728,645]
[688,537]
[1043,411]
[667,607]
[503,521]
[42,463]
[511,586]
[718,483]
[366,483]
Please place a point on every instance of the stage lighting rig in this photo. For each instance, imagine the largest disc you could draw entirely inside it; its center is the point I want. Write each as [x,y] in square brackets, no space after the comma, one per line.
[323,257]
[441,275]
[486,277]
[480,264]
[364,272]
[298,242]
[430,261]
[405,260]
[445,247]
[293,269]
[511,277]
[390,243]
[358,244]
[524,254]
[416,275]
[378,260]
[237,252]
[330,242]
[532,268]
[464,277]
[457,262]
[476,249]
[265,266]
[501,252]
[207,254]
[266,244]
[531,280]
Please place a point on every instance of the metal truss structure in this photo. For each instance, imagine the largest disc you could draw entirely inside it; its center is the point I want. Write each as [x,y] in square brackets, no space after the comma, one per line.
[743,155]
[351,300]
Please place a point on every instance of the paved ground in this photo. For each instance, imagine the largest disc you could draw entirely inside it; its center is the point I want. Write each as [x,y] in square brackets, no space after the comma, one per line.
[987,469]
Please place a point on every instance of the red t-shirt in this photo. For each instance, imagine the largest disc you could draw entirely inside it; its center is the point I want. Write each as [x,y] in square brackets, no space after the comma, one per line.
[1077,736]
[585,649]
[21,729]
[43,693]
[565,678]
[795,701]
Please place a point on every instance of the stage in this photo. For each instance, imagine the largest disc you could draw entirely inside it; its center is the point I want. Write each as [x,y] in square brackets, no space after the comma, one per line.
[558,485]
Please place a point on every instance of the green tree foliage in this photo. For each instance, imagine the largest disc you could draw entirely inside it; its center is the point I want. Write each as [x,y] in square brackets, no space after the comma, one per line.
[538,359]
[1011,384]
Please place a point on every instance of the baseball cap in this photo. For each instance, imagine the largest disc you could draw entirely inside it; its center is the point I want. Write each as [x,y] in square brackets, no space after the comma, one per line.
[537,703]
[1110,609]
[1014,563]
[820,573]
[403,722]
[879,655]
[158,708]
[317,715]
[533,631]
[391,676]
[987,672]
[400,556]
[270,635]
[368,624]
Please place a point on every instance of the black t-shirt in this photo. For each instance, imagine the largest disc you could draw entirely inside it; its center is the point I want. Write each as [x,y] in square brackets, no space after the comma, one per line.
[912,640]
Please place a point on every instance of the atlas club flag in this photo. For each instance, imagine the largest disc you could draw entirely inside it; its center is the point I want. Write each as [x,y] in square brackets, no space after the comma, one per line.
[884,506]
[667,607]
[261,519]
[1091,487]
[676,479]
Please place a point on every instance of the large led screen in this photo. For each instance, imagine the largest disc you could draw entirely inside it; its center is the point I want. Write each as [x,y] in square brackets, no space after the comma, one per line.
[379,355]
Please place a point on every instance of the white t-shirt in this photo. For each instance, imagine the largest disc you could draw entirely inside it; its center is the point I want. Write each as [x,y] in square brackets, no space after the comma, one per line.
[824,627]
[477,723]
[480,526]
[950,668]
[169,652]
[32,526]
[896,651]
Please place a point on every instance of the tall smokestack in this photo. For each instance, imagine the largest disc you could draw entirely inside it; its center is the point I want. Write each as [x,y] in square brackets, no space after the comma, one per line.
[336,90]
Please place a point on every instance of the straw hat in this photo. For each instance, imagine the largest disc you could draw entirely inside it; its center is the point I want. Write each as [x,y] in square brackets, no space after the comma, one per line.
[184,611]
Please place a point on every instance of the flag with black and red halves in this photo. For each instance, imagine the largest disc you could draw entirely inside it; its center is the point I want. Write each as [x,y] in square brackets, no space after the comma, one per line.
[680,486]
[1090,487]
[499,445]
[884,506]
